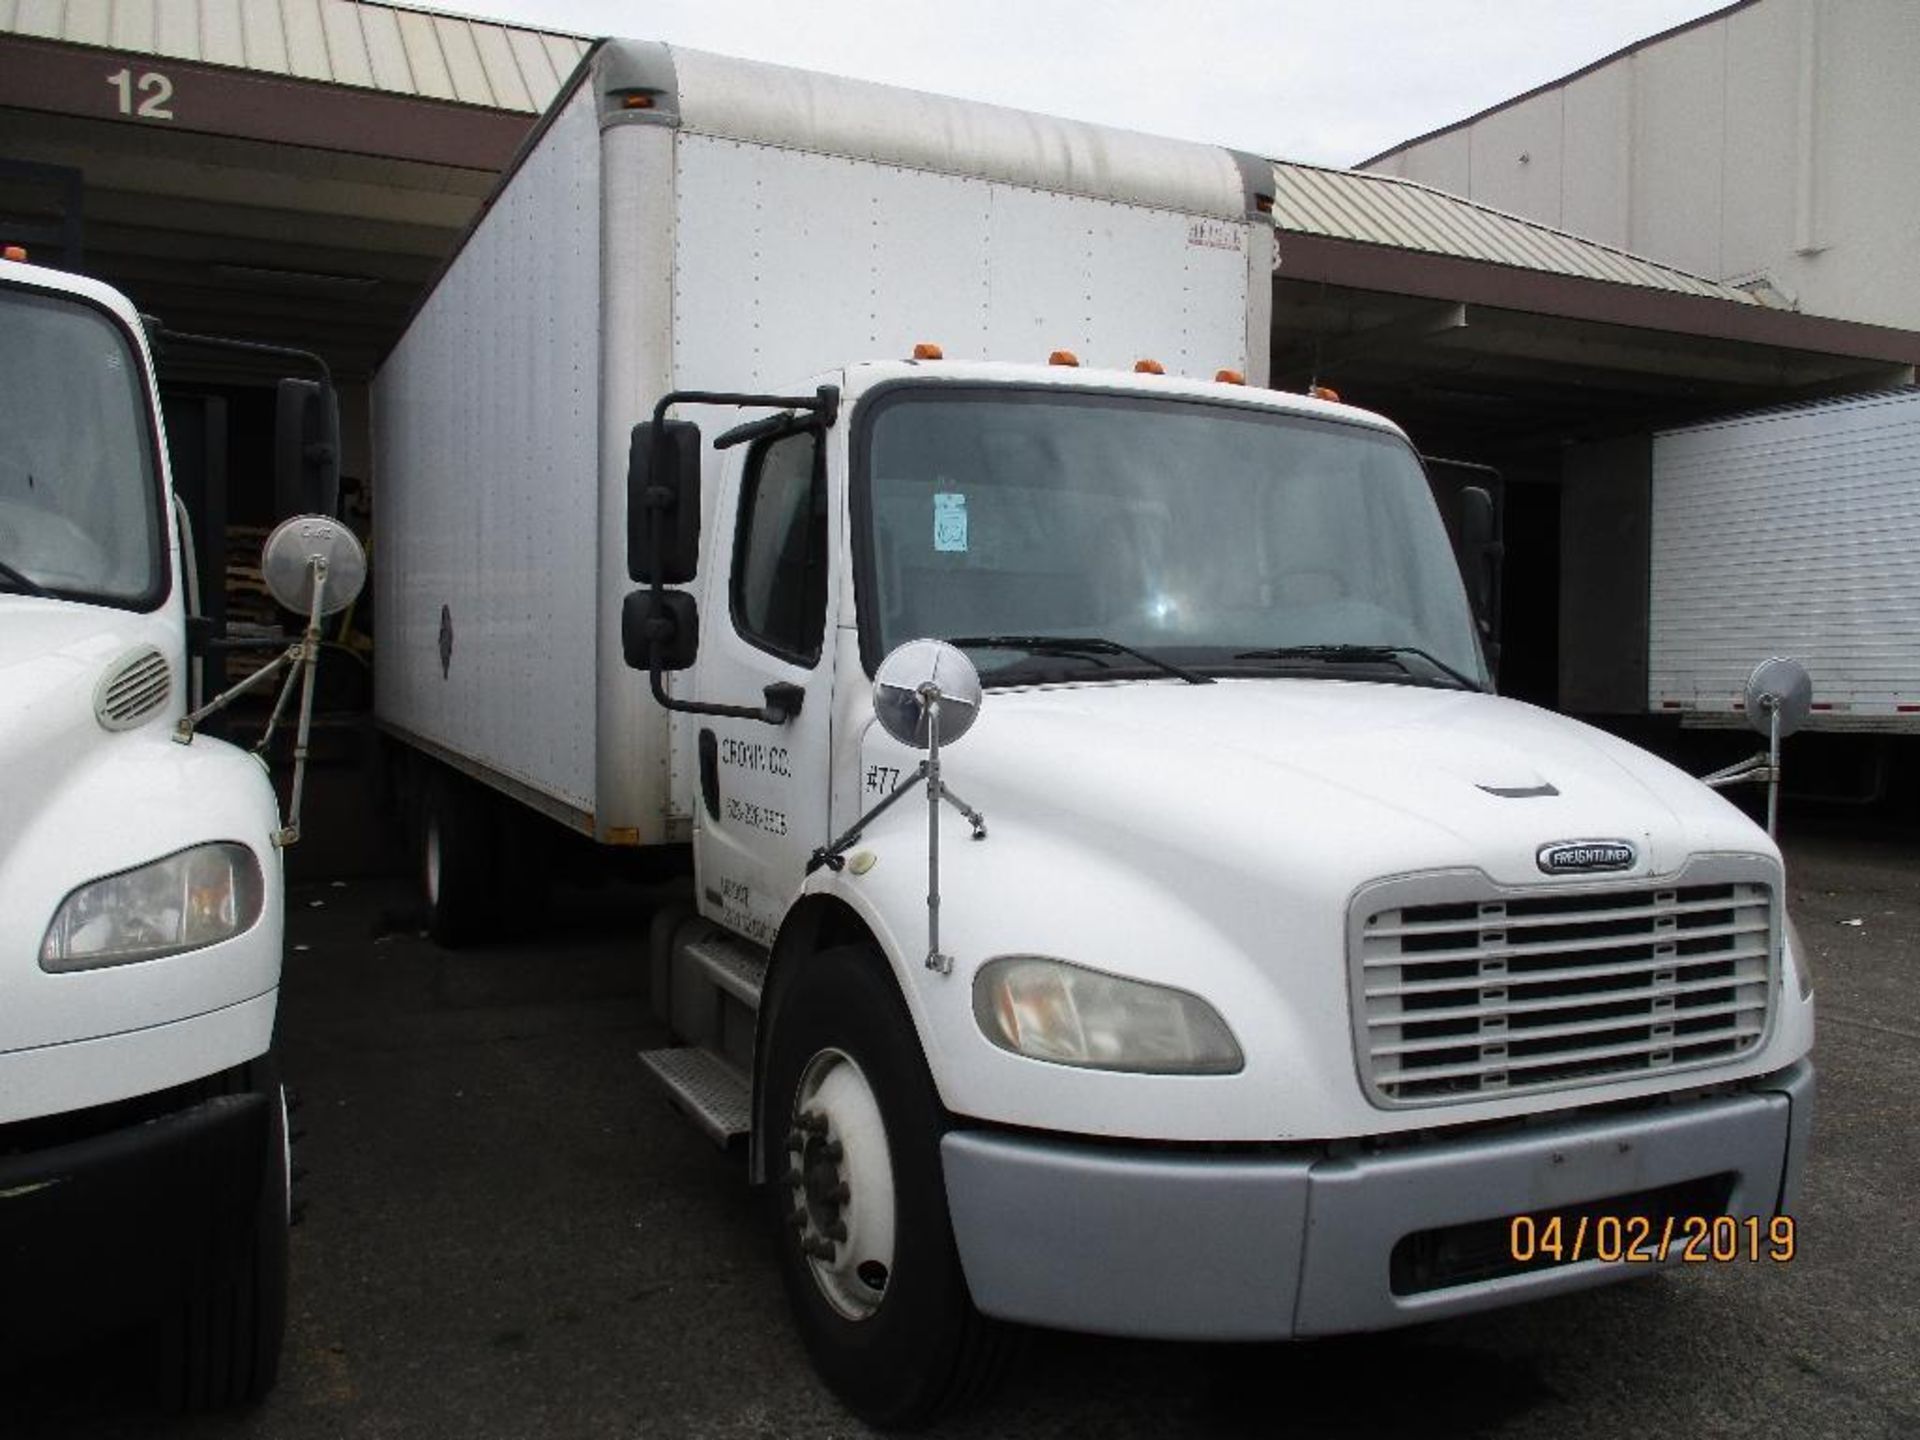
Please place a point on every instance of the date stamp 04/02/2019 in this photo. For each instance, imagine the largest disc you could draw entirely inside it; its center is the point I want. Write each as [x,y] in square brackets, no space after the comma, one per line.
[1642,1239]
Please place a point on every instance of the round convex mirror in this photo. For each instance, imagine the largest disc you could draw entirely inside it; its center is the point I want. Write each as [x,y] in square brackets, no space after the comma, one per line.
[899,687]
[286,564]
[1782,685]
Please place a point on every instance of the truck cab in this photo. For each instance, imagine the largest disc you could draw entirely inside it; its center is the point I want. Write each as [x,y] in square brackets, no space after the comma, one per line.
[143,1168]
[1283,967]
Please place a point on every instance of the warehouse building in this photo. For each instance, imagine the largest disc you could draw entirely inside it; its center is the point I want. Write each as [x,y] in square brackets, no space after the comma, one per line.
[296,172]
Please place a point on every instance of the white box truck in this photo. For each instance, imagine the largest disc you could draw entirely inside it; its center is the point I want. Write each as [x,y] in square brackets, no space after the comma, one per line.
[1790,531]
[143,1137]
[1286,981]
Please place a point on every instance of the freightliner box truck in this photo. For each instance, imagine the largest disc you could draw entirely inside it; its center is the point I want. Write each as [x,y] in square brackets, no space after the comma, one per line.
[1268,975]
[143,1137]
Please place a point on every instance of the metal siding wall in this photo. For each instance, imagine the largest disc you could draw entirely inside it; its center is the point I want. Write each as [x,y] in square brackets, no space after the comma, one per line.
[1791,533]
[487,483]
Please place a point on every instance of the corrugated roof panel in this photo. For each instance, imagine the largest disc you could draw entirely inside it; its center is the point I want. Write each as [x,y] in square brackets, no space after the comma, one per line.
[424,59]
[565,52]
[88,22]
[346,44]
[133,25]
[306,39]
[469,76]
[261,33]
[503,71]
[369,44]
[1376,209]
[536,66]
[176,30]
[386,51]
[40,17]
[222,41]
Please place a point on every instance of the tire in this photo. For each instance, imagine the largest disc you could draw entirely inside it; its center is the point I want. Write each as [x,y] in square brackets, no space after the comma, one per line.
[886,1319]
[221,1348]
[459,859]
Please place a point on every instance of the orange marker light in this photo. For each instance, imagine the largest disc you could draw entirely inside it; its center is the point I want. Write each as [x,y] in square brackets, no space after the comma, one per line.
[14,252]
[1148,367]
[1063,357]
[1229,377]
[1323,392]
[636,101]
[927,350]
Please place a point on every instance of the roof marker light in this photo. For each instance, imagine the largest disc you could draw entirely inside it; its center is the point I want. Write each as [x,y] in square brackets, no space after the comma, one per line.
[1229,377]
[927,350]
[1148,367]
[1323,392]
[14,252]
[1063,357]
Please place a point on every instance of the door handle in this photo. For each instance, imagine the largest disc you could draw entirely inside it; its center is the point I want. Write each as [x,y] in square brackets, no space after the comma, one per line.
[710,773]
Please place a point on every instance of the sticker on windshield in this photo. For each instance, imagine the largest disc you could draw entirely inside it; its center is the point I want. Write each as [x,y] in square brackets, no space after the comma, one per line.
[949,522]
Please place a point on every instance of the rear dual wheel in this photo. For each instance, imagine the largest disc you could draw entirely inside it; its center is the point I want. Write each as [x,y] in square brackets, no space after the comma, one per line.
[866,1245]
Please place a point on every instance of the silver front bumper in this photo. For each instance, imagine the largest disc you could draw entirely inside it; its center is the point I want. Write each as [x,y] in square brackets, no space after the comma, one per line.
[1172,1245]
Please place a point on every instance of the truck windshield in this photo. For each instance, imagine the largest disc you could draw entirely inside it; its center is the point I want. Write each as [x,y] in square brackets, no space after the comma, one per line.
[1224,539]
[78,500]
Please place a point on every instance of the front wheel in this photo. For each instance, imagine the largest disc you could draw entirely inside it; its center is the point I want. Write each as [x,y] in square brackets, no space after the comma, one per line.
[866,1246]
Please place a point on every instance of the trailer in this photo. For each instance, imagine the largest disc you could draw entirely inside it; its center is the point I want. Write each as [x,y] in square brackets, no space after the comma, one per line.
[1119,902]
[1790,531]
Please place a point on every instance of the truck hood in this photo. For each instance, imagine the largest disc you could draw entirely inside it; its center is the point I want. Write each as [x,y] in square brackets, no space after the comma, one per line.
[1330,774]
[53,654]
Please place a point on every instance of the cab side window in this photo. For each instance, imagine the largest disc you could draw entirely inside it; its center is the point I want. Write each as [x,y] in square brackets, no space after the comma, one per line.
[779,591]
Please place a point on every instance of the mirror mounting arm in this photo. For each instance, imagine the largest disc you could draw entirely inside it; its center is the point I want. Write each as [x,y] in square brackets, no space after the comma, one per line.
[782,699]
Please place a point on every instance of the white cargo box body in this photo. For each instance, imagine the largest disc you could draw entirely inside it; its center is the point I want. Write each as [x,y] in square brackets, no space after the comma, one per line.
[1791,532]
[685,221]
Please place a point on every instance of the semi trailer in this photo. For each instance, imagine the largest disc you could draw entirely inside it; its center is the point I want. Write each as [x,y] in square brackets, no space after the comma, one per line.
[1248,969]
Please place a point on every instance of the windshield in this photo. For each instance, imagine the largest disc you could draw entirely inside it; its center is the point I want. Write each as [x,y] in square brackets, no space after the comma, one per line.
[78,501]
[1207,535]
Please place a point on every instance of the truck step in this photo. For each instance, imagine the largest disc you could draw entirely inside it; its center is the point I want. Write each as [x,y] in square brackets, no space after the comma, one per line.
[717,1097]
[732,964]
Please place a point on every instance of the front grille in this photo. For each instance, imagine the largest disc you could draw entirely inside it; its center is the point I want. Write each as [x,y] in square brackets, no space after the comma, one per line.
[1508,991]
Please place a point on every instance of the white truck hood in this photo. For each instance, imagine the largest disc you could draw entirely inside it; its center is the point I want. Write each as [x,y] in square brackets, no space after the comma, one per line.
[1326,768]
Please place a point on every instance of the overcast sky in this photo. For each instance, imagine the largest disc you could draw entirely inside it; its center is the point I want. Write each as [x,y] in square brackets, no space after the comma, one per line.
[1331,81]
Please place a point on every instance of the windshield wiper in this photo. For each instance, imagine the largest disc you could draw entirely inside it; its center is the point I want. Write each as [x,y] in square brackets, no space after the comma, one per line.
[1360,654]
[26,584]
[1078,645]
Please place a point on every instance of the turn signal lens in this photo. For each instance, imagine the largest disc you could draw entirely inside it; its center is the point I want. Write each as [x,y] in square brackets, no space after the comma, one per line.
[636,102]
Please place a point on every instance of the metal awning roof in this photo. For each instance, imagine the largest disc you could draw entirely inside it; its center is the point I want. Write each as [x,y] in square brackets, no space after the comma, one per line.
[368,46]
[1387,210]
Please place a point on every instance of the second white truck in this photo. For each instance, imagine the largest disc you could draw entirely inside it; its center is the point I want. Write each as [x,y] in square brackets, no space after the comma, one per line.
[1286,981]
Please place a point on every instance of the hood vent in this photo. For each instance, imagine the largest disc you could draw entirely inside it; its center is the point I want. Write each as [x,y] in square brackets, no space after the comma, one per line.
[135,688]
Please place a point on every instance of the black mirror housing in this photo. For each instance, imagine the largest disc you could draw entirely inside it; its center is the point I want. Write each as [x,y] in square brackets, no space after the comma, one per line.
[666,619]
[663,491]
[306,449]
[1481,553]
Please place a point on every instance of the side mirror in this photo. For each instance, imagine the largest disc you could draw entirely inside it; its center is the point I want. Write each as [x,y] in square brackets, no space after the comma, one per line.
[663,502]
[916,673]
[306,449]
[671,618]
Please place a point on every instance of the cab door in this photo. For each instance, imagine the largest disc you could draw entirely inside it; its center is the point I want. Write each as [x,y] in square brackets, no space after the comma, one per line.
[761,810]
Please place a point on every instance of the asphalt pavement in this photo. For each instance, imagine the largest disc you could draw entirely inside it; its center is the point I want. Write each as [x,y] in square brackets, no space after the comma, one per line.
[507,1233]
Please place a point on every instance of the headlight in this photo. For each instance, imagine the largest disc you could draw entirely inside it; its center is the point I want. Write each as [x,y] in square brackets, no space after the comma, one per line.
[1802,961]
[197,897]
[1050,1010]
